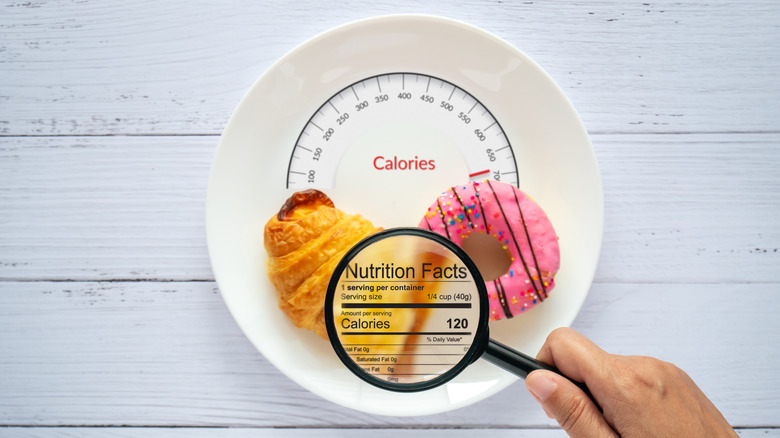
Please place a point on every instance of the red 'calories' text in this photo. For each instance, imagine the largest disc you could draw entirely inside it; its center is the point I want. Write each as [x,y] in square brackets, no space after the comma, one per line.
[394,163]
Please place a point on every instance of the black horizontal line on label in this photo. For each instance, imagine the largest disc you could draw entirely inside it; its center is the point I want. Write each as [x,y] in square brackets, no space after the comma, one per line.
[405,374]
[422,364]
[406,305]
[406,354]
[407,333]
[447,365]
[405,281]
[395,345]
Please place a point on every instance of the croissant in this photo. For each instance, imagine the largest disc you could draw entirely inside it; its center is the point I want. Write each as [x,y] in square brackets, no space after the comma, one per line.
[305,241]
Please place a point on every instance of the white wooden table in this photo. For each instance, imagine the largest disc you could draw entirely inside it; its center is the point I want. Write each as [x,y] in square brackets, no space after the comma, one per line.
[110,113]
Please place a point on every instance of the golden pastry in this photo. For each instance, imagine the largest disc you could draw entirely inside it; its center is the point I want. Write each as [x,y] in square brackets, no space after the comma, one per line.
[305,241]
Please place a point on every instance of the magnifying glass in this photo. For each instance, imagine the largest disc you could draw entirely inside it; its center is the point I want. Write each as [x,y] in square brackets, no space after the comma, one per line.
[407,310]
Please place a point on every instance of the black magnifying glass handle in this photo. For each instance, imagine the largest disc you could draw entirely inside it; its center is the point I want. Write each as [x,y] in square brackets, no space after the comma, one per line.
[521,364]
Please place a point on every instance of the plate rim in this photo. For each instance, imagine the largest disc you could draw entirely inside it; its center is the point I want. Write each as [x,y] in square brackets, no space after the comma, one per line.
[246,100]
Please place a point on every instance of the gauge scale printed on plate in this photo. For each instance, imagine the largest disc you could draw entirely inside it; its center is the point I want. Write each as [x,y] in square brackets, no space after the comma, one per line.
[401,124]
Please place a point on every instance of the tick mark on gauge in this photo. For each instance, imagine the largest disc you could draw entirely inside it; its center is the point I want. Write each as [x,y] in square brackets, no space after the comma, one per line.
[378,84]
[489,126]
[453,92]
[304,148]
[355,92]
[315,125]
[501,149]
[481,172]
[475,105]
[331,104]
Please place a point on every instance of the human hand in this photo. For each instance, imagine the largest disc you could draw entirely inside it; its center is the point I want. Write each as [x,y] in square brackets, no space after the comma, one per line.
[640,396]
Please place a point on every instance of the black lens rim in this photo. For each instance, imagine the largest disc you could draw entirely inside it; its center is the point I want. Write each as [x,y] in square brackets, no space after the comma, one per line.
[480,337]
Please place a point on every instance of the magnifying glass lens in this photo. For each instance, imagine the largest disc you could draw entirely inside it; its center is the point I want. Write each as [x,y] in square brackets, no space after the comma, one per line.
[407,310]
[404,309]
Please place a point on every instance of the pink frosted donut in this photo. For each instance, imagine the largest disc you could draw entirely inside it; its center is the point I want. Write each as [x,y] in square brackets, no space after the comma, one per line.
[519,223]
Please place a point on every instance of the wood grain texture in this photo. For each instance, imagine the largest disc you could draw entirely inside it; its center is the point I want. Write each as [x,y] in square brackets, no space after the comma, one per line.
[98,68]
[678,208]
[169,354]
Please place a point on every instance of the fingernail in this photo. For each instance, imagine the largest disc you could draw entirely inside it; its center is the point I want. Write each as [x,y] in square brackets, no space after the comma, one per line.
[540,386]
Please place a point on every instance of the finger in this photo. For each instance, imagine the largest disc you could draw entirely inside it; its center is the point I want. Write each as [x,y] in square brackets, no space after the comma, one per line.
[570,407]
[577,357]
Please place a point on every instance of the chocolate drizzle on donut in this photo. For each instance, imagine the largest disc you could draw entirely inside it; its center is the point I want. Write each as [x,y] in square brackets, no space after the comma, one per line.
[428,224]
[463,207]
[479,201]
[530,245]
[500,291]
[502,297]
[443,219]
[514,239]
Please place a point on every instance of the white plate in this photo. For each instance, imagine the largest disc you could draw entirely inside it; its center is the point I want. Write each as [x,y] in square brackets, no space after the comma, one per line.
[247,186]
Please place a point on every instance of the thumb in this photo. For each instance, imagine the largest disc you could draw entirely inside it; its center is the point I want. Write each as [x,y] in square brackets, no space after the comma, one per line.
[570,407]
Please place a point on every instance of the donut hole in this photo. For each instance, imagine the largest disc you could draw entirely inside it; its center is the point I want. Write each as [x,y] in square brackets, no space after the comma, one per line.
[488,254]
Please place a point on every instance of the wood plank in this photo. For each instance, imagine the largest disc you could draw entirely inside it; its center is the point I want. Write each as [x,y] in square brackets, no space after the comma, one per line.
[169,354]
[694,208]
[149,432]
[104,208]
[97,68]
[678,208]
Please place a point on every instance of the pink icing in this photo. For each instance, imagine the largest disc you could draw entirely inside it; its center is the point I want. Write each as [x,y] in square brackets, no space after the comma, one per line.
[488,207]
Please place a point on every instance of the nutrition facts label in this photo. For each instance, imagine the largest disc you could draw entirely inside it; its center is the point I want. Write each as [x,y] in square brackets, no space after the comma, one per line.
[406,310]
